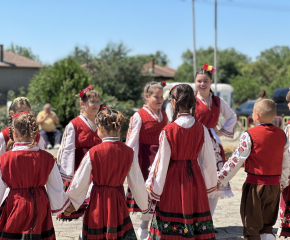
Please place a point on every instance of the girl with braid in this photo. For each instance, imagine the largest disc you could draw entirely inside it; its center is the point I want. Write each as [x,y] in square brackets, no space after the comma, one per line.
[18,105]
[208,109]
[143,133]
[79,136]
[183,174]
[110,162]
[26,170]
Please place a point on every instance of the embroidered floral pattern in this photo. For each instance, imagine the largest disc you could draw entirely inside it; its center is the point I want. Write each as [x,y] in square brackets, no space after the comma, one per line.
[186,230]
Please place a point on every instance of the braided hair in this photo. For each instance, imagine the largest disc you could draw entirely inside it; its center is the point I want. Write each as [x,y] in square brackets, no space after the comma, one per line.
[184,99]
[14,107]
[204,72]
[26,126]
[111,120]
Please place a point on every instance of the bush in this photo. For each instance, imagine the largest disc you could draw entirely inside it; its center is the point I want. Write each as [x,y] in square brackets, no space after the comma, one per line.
[58,84]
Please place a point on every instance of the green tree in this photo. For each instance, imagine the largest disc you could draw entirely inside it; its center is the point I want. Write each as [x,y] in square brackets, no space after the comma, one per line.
[82,55]
[245,88]
[160,58]
[26,52]
[117,74]
[275,56]
[227,65]
[58,84]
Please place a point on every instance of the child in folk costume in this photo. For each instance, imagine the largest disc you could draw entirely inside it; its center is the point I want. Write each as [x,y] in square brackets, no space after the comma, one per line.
[20,104]
[80,135]
[26,170]
[107,216]
[144,130]
[284,211]
[182,175]
[264,150]
[208,109]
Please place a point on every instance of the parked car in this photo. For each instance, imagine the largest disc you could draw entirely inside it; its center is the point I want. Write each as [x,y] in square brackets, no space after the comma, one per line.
[245,109]
[279,98]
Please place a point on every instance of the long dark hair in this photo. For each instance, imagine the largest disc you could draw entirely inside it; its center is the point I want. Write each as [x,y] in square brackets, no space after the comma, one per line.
[204,72]
[184,98]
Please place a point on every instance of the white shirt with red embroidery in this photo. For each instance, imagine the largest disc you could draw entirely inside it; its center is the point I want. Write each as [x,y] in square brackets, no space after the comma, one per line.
[228,129]
[40,144]
[206,160]
[232,166]
[59,201]
[135,126]
[81,182]
[66,152]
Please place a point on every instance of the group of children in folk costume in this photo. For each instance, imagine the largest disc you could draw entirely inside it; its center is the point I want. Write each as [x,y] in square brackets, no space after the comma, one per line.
[180,169]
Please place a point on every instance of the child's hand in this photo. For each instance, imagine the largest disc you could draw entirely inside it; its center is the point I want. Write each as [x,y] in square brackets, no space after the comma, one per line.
[218,185]
[218,132]
[68,211]
[281,189]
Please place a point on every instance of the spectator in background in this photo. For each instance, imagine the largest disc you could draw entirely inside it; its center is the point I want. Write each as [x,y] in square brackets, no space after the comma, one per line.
[262,95]
[47,120]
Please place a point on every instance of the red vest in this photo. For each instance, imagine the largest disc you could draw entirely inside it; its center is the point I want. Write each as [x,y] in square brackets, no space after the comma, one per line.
[185,143]
[5,133]
[111,162]
[151,129]
[25,169]
[266,156]
[208,117]
[85,137]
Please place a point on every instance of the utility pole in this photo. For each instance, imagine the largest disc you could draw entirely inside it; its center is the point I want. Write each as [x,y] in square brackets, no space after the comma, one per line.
[215,49]
[194,50]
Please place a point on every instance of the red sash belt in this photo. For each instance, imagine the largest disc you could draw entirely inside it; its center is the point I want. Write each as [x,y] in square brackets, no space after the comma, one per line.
[263,180]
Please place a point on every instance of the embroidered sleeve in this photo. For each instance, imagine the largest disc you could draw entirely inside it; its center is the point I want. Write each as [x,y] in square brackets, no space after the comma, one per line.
[66,153]
[79,186]
[207,162]
[284,181]
[2,144]
[41,143]
[59,201]
[228,128]
[134,132]
[157,176]
[137,186]
[232,166]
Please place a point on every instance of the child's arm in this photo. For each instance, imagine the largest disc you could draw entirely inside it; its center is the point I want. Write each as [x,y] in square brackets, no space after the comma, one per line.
[41,143]
[284,181]
[207,163]
[66,153]
[228,129]
[232,166]
[54,187]
[137,186]
[80,183]
[2,144]
[133,133]
[157,176]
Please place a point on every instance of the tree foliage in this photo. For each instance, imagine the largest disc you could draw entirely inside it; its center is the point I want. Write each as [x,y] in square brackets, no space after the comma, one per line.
[160,58]
[58,84]
[275,56]
[26,52]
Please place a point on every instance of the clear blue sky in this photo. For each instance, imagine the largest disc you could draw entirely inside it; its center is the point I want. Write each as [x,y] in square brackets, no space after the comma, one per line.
[53,28]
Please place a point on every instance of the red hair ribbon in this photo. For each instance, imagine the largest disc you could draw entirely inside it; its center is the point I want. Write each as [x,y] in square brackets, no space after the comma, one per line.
[17,114]
[104,107]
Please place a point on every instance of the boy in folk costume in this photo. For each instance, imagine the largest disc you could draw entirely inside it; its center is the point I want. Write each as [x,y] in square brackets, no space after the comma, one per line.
[264,150]
[26,170]
[80,135]
[143,136]
[183,174]
[284,211]
[107,216]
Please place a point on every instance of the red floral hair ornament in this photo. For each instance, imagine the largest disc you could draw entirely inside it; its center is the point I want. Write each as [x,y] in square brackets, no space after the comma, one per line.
[208,68]
[163,83]
[17,114]
[82,92]
[105,107]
